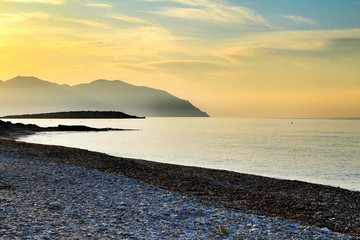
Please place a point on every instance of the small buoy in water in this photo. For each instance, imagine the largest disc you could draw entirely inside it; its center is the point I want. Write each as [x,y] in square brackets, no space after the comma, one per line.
[223,230]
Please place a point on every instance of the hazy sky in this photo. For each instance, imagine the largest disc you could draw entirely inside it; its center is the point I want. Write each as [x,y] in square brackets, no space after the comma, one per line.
[247,58]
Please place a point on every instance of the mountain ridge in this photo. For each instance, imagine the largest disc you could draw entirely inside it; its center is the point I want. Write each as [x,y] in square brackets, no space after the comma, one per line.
[28,80]
[27,94]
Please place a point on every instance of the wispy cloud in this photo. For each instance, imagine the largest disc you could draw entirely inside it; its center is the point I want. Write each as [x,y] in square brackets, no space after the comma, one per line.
[219,14]
[5,17]
[85,22]
[99,5]
[130,45]
[302,20]
[212,11]
[56,2]
[129,19]
[298,43]
[188,66]
[19,17]
[186,2]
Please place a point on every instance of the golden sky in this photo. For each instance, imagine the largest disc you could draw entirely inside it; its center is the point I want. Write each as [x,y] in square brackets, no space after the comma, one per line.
[261,58]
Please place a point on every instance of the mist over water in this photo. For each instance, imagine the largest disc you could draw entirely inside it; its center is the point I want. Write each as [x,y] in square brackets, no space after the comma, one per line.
[324,151]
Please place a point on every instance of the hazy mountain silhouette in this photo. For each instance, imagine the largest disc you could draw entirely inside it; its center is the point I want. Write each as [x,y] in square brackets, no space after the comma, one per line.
[31,95]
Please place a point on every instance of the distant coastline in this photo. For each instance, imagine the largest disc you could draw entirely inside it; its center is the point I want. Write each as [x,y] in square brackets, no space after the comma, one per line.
[75,115]
[9,130]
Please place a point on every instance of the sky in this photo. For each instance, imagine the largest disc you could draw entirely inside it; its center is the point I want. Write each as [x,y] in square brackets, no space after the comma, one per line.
[230,58]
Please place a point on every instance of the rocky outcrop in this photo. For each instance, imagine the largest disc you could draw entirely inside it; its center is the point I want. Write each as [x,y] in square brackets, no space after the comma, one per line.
[74,115]
[11,130]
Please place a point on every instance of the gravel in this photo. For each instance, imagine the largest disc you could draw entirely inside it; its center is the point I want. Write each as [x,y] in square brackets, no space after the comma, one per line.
[48,200]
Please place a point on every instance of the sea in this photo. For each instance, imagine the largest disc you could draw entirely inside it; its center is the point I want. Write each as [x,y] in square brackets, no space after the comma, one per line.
[323,151]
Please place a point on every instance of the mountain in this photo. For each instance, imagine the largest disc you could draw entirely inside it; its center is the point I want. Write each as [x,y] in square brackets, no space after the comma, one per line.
[32,95]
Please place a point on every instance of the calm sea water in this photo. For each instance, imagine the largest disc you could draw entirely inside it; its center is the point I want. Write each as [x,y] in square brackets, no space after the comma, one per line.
[313,150]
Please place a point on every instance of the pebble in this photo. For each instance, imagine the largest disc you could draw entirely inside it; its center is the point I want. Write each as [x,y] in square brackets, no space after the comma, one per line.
[55,205]
[53,201]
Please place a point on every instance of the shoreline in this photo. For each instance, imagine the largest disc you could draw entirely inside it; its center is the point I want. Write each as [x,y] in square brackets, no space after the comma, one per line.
[310,204]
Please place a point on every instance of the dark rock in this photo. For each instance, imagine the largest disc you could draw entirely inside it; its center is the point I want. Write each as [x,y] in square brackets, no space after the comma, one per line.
[9,130]
[74,115]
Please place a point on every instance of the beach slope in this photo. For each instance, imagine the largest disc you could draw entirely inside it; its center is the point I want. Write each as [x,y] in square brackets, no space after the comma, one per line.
[309,204]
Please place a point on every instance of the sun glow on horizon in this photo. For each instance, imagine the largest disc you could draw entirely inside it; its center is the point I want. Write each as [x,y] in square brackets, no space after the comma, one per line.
[252,59]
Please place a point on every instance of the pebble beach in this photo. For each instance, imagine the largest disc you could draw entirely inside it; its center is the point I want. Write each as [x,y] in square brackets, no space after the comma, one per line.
[49,192]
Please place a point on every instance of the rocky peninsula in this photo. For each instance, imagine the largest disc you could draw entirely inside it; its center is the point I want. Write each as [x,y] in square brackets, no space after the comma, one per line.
[13,130]
[75,115]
